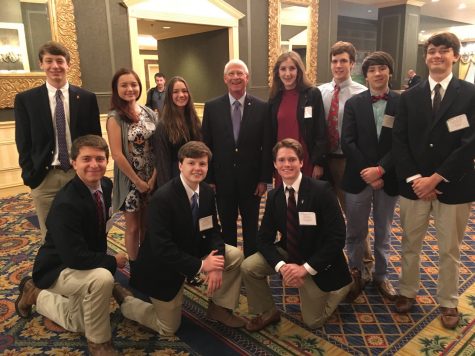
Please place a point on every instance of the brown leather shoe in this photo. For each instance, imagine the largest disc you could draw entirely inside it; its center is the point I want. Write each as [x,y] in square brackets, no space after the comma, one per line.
[403,304]
[224,316]
[262,321]
[120,293]
[102,349]
[449,317]
[356,287]
[386,289]
[27,298]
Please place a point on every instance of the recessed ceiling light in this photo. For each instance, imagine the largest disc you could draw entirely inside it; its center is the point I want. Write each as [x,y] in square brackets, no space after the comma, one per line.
[435,0]
[370,11]
[462,6]
[422,31]
[166,27]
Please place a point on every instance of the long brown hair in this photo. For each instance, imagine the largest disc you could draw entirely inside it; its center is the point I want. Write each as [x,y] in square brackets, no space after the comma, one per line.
[119,104]
[302,80]
[180,125]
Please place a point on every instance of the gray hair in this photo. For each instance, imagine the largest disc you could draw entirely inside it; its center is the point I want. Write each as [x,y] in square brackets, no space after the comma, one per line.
[236,62]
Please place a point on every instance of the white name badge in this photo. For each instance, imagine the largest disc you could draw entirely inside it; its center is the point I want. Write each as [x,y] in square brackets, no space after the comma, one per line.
[308,112]
[206,223]
[307,218]
[388,121]
[457,123]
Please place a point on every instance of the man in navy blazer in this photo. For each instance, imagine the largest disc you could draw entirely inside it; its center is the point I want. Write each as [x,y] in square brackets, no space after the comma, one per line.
[183,239]
[36,131]
[369,179]
[73,276]
[242,160]
[317,265]
[434,150]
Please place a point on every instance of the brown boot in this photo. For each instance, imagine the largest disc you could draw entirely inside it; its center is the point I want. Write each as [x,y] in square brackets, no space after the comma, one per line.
[102,349]
[27,298]
[224,316]
[120,293]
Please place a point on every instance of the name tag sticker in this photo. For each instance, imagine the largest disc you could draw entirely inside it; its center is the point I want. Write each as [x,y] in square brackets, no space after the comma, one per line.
[206,223]
[307,218]
[457,123]
[388,121]
[308,112]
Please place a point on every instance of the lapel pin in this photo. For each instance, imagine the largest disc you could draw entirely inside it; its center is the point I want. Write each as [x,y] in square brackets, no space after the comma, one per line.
[77,97]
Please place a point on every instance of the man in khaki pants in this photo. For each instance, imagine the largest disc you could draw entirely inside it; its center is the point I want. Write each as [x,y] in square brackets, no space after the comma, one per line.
[72,267]
[309,256]
[183,238]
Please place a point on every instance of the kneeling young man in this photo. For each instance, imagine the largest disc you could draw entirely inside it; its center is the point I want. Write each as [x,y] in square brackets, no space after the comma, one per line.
[72,268]
[309,256]
[182,228]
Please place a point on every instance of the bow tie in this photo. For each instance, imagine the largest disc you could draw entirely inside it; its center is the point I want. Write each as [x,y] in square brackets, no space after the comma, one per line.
[375,98]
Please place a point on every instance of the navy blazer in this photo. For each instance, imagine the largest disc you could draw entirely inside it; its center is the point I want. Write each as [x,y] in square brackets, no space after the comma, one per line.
[313,129]
[74,239]
[424,145]
[172,249]
[34,131]
[361,145]
[250,160]
[321,246]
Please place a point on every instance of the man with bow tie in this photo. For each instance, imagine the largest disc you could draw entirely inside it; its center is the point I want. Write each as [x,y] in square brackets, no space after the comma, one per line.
[369,177]
[73,275]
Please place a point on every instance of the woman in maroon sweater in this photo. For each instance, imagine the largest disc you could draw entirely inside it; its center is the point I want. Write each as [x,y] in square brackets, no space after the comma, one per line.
[296,110]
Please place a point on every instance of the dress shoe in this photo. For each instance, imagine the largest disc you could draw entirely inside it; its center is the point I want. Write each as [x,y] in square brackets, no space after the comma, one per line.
[27,298]
[195,280]
[403,304]
[224,316]
[449,317]
[357,285]
[386,289]
[120,293]
[263,320]
[102,349]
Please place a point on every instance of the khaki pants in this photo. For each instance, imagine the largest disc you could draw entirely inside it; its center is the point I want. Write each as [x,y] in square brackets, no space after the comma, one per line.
[450,223]
[165,317]
[317,306]
[79,301]
[44,194]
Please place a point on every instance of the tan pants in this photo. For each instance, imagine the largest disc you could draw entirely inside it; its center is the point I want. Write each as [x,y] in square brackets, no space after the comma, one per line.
[165,317]
[450,223]
[79,301]
[317,306]
[44,194]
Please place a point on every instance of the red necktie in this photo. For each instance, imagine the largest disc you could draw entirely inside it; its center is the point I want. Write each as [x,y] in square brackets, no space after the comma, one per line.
[100,209]
[292,241]
[333,136]
[375,98]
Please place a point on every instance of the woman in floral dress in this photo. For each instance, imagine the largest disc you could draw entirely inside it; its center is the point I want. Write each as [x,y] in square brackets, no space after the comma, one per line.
[130,127]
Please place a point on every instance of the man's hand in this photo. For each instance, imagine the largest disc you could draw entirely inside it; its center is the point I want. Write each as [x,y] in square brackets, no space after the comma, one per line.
[213,262]
[260,189]
[371,174]
[214,280]
[121,259]
[317,172]
[423,186]
[293,274]
[377,184]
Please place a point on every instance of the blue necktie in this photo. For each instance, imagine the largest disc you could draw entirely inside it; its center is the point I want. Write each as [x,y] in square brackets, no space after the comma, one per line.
[61,132]
[292,242]
[236,118]
[195,209]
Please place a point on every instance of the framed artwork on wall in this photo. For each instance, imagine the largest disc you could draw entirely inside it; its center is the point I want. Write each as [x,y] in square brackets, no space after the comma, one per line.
[13,52]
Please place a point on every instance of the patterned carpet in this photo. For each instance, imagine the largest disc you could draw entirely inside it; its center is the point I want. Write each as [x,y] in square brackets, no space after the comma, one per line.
[369,326]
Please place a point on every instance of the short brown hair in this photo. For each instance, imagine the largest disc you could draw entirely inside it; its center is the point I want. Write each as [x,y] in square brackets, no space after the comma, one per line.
[288,143]
[54,48]
[447,39]
[377,58]
[93,141]
[194,149]
[343,47]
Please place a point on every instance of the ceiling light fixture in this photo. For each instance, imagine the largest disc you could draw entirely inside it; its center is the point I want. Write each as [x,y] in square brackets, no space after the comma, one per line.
[166,27]
[462,6]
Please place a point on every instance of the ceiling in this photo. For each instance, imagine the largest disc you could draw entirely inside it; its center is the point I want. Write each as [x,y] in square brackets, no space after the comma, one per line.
[162,30]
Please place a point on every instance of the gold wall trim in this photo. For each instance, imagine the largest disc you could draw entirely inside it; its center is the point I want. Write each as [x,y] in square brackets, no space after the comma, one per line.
[312,35]
[63,30]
